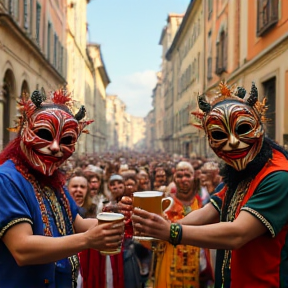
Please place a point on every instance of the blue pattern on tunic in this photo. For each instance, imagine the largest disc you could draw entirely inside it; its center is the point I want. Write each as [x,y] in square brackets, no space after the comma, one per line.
[18,202]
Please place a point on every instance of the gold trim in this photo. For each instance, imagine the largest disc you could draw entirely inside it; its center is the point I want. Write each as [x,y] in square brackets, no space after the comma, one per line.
[12,223]
[214,203]
[261,218]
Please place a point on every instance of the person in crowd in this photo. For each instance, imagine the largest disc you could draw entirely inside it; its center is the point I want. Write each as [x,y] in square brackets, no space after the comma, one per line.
[182,266]
[160,176]
[210,178]
[96,185]
[143,180]
[116,187]
[130,182]
[247,219]
[79,191]
[40,229]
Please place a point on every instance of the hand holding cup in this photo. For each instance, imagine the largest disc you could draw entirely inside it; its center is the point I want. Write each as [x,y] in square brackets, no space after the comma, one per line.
[153,202]
[107,236]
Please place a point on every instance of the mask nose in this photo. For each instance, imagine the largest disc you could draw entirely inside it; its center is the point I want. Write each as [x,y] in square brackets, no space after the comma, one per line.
[55,147]
[233,141]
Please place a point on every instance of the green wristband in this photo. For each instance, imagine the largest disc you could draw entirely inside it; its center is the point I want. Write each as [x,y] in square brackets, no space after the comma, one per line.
[175,234]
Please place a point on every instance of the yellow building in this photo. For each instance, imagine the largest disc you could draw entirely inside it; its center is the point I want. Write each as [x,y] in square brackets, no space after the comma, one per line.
[32,53]
[87,77]
[159,111]
[124,131]
[138,132]
[167,81]
[186,56]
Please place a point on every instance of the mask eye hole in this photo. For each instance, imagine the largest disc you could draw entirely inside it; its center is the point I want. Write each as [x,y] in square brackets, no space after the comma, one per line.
[218,135]
[66,140]
[243,128]
[44,134]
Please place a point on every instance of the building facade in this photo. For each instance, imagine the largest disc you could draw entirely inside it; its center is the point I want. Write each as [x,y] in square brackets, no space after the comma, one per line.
[237,41]
[186,56]
[124,131]
[87,77]
[32,53]
[167,36]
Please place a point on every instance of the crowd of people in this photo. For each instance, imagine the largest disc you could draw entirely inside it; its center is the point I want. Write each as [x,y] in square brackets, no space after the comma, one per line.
[226,225]
[97,183]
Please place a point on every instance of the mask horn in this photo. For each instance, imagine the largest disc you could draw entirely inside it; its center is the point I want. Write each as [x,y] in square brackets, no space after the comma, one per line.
[253,96]
[203,104]
[81,113]
[241,92]
[37,98]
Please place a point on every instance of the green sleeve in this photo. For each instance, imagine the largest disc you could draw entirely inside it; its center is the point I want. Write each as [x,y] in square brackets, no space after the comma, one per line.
[269,203]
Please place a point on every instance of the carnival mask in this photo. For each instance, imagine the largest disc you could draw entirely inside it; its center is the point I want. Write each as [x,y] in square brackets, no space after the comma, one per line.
[50,131]
[233,125]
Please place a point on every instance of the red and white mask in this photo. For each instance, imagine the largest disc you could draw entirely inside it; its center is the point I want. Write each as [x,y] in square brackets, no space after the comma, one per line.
[48,138]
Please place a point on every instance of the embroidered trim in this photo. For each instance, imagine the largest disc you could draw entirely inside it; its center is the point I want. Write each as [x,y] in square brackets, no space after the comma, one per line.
[12,223]
[74,262]
[261,218]
[214,203]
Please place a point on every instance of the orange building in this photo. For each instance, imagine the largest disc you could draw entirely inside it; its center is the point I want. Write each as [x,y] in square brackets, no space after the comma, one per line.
[248,41]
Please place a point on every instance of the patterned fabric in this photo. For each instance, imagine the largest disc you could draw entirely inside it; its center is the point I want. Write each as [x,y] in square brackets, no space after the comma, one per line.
[178,266]
[18,198]
[263,261]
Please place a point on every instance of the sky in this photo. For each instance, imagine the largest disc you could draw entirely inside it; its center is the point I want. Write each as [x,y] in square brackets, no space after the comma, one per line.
[129,32]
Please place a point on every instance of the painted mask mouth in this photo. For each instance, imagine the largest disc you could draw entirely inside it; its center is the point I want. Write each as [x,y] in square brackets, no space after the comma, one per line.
[237,153]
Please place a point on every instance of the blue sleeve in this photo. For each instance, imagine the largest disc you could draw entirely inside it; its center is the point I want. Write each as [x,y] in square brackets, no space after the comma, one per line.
[14,207]
[73,205]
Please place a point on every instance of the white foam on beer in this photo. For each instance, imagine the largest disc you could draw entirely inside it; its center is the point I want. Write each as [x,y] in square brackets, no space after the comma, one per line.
[108,216]
[145,194]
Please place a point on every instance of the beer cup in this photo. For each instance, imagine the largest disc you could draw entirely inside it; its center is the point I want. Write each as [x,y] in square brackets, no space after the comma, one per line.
[151,201]
[106,217]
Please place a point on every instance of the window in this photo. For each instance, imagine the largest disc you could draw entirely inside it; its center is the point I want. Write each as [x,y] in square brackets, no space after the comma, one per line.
[25,15]
[267,15]
[49,41]
[11,7]
[38,22]
[209,68]
[31,18]
[270,94]
[221,59]
[210,8]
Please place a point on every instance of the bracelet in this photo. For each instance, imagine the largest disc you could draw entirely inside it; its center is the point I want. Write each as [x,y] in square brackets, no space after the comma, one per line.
[175,234]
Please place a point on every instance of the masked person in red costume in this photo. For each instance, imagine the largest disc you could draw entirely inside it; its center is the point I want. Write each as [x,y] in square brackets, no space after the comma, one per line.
[247,219]
[40,228]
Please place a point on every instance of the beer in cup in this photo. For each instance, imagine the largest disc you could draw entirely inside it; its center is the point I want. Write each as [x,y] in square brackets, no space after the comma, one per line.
[106,217]
[151,201]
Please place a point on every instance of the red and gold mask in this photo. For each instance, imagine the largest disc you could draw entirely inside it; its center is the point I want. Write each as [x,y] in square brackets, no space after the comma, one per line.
[233,125]
[49,132]
[235,133]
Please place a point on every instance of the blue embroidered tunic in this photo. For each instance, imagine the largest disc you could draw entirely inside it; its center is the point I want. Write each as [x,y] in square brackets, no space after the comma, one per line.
[18,205]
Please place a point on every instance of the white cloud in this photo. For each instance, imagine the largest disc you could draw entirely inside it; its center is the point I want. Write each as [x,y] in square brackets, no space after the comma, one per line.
[135,91]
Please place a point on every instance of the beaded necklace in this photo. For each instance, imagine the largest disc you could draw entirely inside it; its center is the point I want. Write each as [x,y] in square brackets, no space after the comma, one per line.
[39,196]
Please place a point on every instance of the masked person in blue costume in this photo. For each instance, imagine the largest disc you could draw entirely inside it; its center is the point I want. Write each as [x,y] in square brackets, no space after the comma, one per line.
[41,231]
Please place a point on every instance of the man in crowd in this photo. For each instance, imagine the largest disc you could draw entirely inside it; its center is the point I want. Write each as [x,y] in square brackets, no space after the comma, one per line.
[182,265]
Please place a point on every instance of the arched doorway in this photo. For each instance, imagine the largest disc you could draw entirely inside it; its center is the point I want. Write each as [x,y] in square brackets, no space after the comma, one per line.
[25,88]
